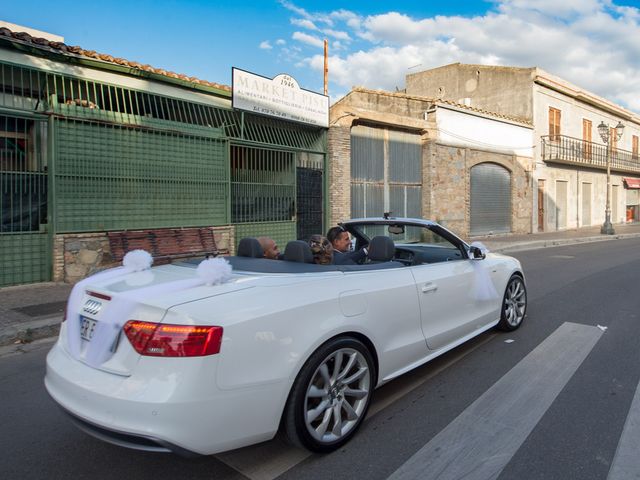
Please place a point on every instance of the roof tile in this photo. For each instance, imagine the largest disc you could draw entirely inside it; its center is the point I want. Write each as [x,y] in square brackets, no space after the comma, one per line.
[76,50]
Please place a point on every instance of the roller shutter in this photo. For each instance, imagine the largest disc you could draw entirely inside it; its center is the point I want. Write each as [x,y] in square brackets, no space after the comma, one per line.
[490,199]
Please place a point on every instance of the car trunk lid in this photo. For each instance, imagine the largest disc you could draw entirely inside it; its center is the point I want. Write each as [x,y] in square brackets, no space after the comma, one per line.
[148,307]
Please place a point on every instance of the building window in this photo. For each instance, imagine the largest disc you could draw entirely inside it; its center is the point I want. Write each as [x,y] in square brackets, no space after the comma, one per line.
[586,138]
[634,147]
[554,124]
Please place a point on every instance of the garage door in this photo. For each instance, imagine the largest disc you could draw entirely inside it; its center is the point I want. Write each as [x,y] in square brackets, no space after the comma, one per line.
[490,199]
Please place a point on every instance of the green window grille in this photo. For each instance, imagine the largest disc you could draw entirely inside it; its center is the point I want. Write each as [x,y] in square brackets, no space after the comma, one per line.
[24,241]
[31,89]
[22,88]
[23,178]
[263,185]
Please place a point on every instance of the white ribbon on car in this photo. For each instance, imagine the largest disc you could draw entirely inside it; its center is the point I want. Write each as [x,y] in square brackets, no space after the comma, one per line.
[212,271]
[483,287]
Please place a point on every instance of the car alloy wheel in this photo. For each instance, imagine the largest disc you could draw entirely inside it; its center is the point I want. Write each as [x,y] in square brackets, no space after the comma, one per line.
[331,395]
[514,304]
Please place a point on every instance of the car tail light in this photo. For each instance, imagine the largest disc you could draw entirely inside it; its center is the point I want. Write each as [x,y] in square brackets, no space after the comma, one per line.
[101,296]
[162,340]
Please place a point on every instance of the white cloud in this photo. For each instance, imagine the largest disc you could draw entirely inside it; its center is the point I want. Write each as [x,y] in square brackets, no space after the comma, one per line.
[337,34]
[314,17]
[265,45]
[281,41]
[295,9]
[591,43]
[304,23]
[308,39]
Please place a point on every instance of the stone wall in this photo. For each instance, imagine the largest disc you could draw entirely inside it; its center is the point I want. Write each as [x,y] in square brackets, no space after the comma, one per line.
[450,186]
[78,255]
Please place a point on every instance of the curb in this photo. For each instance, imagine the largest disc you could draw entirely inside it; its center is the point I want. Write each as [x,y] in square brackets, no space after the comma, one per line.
[559,242]
[27,332]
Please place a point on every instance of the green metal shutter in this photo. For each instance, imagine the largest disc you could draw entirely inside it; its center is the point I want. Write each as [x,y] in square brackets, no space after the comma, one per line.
[114,177]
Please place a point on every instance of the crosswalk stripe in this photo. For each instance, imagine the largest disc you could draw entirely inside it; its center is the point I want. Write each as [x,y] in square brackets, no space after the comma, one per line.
[481,441]
[626,465]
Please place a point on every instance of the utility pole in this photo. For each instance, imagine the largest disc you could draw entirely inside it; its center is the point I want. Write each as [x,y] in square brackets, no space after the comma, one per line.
[326,66]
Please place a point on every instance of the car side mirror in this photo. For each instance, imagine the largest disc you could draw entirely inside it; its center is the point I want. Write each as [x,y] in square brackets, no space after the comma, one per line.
[476,254]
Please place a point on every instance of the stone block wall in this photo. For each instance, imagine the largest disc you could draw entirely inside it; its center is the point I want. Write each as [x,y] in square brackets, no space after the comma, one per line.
[78,255]
[449,203]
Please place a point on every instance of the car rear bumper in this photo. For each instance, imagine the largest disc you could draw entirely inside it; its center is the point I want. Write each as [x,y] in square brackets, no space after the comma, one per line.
[167,404]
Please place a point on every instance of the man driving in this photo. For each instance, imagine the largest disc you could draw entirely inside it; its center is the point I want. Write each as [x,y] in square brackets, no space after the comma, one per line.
[341,242]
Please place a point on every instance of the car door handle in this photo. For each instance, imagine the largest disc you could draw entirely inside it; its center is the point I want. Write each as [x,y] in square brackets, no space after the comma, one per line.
[429,287]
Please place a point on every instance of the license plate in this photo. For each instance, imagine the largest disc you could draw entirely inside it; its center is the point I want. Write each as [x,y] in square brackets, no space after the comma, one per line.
[87,328]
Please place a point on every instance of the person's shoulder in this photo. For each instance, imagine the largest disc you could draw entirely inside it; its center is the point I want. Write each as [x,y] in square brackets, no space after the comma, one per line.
[341,258]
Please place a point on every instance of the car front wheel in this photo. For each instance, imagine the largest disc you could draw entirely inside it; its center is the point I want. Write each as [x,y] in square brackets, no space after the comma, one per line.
[514,304]
[330,396]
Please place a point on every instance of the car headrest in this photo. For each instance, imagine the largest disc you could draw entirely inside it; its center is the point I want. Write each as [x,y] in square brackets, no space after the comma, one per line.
[298,251]
[381,249]
[250,247]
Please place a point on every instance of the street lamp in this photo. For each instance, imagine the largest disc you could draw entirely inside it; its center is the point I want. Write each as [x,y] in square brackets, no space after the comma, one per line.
[603,130]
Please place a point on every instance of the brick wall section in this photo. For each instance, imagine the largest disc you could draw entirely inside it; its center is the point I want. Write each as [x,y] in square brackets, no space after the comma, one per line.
[77,255]
[339,148]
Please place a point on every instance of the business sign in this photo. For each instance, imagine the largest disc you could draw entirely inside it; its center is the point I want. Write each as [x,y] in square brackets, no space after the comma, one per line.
[279,97]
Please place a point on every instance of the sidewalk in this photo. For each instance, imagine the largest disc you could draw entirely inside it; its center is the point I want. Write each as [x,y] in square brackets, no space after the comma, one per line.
[532,241]
[31,312]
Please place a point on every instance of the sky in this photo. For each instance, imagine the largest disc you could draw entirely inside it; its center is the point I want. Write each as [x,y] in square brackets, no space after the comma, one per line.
[594,44]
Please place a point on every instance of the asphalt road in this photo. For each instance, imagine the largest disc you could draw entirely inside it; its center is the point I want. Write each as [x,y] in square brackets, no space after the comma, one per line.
[574,435]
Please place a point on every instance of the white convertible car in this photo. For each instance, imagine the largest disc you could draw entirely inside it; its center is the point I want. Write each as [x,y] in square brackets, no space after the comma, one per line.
[281,344]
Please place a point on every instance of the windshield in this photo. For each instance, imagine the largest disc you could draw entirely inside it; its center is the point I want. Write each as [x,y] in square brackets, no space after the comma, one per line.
[400,234]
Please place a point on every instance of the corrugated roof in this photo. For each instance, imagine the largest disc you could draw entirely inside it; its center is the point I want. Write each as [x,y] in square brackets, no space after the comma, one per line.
[437,101]
[69,50]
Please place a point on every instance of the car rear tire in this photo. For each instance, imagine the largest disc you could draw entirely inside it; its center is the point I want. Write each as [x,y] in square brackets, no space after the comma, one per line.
[331,395]
[514,304]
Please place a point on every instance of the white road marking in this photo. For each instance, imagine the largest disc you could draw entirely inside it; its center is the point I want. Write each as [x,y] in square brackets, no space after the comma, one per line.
[268,460]
[626,465]
[481,441]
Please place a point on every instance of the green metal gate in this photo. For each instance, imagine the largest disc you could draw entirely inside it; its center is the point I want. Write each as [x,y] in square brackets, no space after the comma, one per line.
[25,247]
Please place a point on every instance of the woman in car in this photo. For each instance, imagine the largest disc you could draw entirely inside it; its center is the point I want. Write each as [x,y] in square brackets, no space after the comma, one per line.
[321,249]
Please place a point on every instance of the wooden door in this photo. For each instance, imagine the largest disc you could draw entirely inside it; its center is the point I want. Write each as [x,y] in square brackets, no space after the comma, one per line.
[541,205]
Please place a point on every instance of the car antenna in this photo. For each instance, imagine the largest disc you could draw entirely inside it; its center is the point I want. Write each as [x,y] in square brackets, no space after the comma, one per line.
[386,215]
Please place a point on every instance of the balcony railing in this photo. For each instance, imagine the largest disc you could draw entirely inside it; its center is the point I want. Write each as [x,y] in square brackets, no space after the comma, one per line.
[574,151]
